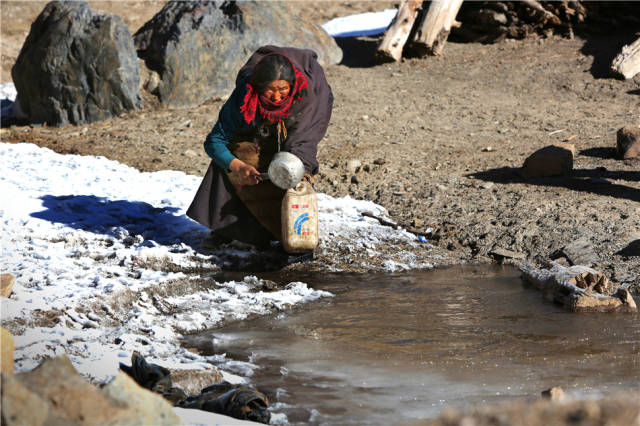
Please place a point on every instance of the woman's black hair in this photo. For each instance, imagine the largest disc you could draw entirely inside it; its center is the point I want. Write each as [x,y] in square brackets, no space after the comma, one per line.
[271,68]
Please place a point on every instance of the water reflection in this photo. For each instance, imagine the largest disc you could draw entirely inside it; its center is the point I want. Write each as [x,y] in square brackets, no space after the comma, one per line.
[397,348]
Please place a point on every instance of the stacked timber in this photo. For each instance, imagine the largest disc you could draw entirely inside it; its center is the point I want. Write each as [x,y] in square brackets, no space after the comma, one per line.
[494,21]
[422,28]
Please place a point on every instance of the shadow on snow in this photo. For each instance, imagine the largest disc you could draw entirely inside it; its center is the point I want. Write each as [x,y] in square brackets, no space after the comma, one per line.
[123,220]
[100,215]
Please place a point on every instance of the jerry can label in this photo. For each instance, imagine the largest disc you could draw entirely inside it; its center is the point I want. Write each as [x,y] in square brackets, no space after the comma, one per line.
[298,224]
[300,219]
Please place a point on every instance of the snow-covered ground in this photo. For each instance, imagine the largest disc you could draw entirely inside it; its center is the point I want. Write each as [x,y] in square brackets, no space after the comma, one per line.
[360,24]
[104,253]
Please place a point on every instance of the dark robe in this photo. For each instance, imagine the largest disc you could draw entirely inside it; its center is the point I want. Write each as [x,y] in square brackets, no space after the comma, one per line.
[216,204]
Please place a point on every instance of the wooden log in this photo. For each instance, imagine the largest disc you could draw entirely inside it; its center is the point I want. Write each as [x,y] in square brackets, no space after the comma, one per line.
[548,15]
[433,29]
[627,63]
[578,288]
[581,12]
[396,36]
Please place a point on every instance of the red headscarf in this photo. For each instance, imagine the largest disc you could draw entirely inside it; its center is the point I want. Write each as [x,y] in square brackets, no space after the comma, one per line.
[272,111]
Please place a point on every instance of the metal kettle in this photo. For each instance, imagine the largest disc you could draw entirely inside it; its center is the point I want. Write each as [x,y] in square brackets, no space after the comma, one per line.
[285,170]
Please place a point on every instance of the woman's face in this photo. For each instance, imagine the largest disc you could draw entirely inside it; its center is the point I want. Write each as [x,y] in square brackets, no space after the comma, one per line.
[277,90]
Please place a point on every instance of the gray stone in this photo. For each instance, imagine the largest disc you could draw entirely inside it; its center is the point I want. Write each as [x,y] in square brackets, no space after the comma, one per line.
[580,252]
[76,66]
[197,47]
[628,142]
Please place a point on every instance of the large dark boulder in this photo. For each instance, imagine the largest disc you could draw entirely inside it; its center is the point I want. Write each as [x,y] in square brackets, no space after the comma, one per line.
[197,47]
[76,66]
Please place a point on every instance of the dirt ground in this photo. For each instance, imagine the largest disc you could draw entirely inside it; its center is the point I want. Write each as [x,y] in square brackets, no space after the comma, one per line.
[442,138]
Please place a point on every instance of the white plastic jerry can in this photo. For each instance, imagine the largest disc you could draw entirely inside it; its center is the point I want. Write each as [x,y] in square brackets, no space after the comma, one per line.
[300,219]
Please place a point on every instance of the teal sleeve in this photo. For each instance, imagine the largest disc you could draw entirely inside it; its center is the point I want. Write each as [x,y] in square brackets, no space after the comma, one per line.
[229,121]
[216,146]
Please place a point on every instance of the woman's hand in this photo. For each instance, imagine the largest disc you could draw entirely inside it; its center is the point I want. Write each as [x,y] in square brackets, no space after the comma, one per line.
[248,175]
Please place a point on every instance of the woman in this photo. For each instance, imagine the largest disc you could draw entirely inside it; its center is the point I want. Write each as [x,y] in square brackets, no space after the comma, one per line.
[282,102]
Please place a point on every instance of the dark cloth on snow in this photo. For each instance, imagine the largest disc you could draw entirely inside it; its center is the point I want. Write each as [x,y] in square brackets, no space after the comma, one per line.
[216,203]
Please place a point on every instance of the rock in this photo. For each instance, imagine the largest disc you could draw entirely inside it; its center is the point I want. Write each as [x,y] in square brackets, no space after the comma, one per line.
[6,351]
[149,408]
[499,254]
[6,284]
[197,47]
[552,160]
[379,161]
[190,153]
[575,288]
[593,282]
[628,142]
[76,66]
[193,381]
[353,166]
[149,80]
[555,394]
[20,406]
[624,295]
[580,252]
[152,83]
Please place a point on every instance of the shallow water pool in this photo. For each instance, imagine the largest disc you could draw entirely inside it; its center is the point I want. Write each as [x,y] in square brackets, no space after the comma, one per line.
[393,349]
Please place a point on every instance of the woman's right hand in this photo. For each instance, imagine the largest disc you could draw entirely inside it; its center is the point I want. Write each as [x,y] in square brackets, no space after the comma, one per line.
[247,174]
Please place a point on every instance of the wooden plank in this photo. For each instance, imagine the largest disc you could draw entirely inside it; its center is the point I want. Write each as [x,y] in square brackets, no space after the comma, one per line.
[397,34]
[433,30]
[627,63]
